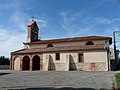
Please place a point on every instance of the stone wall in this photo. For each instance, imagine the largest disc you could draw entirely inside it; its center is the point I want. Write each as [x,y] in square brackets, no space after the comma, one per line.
[4,67]
[57,66]
[95,66]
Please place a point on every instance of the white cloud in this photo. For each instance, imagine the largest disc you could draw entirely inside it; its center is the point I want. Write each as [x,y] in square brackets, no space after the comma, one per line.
[73,26]
[64,13]
[13,36]
[42,23]
[64,17]
[10,41]
[103,20]
[18,20]
[6,5]
[77,24]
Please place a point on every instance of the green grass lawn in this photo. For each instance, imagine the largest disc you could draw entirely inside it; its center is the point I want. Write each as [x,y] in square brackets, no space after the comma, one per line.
[117,76]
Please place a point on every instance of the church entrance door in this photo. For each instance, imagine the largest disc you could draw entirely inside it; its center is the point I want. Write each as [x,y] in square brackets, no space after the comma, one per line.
[26,63]
[36,63]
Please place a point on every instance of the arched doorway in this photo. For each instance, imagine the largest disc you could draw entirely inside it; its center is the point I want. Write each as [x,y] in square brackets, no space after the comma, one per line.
[26,63]
[17,63]
[36,63]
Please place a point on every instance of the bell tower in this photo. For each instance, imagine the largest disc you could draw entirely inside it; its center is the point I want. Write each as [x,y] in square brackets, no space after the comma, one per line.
[32,32]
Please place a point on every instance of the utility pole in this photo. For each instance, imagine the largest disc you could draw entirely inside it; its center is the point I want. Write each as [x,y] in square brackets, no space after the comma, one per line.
[114,41]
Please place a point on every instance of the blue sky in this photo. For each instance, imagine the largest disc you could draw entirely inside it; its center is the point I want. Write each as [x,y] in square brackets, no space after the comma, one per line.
[56,19]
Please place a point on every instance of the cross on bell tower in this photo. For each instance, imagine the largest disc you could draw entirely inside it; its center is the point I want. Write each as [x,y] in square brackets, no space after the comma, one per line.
[32,18]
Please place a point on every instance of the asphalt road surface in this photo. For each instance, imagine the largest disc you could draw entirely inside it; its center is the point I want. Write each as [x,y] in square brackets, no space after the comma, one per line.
[54,80]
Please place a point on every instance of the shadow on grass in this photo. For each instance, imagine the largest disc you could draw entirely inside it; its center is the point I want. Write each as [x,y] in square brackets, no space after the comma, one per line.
[1,74]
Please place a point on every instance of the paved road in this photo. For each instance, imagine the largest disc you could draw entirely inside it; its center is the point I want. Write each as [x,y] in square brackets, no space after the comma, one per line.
[73,80]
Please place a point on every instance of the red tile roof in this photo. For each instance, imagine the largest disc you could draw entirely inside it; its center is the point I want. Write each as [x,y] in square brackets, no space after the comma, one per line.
[31,23]
[62,48]
[74,39]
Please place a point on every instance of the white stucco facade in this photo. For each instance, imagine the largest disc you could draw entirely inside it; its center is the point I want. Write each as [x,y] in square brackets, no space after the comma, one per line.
[97,57]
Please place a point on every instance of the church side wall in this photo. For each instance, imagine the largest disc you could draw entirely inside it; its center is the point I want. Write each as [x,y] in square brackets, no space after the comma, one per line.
[96,60]
[93,60]
[57,65]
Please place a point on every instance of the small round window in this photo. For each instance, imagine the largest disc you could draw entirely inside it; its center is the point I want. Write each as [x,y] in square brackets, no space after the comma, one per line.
[49,45]
[89,43]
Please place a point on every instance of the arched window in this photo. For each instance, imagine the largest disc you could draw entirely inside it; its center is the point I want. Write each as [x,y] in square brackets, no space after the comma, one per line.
[89,43]
[49,45]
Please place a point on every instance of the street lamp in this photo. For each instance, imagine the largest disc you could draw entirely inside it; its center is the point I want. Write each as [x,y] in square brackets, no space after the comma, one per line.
[114,41]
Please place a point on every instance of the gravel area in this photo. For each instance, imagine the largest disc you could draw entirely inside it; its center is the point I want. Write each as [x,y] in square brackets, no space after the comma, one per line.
[54,80]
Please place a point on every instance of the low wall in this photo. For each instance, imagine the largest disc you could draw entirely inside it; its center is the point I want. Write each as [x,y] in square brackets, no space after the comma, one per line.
[4,67]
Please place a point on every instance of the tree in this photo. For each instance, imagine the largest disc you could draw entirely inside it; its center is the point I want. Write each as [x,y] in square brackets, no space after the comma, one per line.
[4,60]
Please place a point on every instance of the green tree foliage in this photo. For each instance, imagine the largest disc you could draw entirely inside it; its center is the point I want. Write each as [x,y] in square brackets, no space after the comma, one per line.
[4,60]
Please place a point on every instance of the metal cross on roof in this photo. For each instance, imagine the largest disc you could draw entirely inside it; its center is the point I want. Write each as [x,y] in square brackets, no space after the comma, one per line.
[32,18]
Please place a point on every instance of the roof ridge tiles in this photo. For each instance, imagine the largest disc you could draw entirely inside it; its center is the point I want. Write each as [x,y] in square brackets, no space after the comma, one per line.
[72,39]
[62,48]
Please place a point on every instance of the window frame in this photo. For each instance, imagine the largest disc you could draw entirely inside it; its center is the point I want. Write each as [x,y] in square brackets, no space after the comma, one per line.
[80,58]
[57,56]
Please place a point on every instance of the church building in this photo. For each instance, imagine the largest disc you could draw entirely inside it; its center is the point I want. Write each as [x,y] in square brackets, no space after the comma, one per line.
[88,53]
